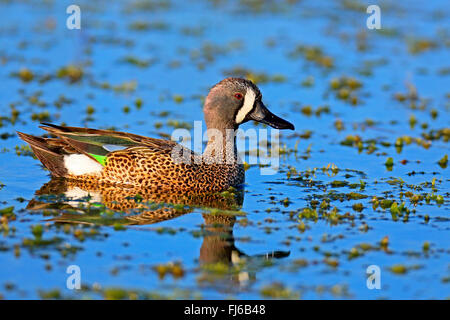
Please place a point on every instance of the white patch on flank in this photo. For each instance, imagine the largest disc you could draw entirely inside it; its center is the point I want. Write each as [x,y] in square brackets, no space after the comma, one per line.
[78,164]
[235,257]
[249,101]
[243,277]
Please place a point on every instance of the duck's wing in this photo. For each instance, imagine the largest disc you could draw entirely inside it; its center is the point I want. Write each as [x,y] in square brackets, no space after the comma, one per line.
[101,142]
[93,143]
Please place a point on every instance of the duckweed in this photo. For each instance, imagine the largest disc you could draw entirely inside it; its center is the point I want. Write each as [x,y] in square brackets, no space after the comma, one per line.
[443,162]
[278,291]
[71,72]
[26,75]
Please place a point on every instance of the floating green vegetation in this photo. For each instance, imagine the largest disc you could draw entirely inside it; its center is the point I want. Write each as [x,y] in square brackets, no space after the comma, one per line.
[177,124]
[259,6]
[402,269]
[90,110]
[41,116]
[333,217]
[24,150]
[309,111]
[35,99]
[389,163]
[354,5]
[25,74]
[141,63]
[339,125]
[178,98]
[61,101]
[371,145]
[95,291]
[146,25]
[194,31]
[7,212]
[208,52]
[118,294]
[138,103]
[124,87]
[443,162]
[338,184]
[313,54]
[346,88]
[388,32]
[174,269]
[53,294]
[256,77]
[308,213]
[308,81]
[147,5]
[412,100]
[71,72]
[278,290]
[367,67]
[220,269]
[439,134]
[416,46]
[126,109]
[358,207]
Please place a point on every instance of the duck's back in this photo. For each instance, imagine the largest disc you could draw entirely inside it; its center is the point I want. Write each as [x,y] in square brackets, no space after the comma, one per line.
[159,169]
[107,157]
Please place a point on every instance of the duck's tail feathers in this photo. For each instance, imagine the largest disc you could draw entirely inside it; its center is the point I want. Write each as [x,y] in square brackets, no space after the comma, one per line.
[48,151]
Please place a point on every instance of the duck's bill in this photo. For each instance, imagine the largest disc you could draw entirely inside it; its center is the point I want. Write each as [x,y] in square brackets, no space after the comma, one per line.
[261,114]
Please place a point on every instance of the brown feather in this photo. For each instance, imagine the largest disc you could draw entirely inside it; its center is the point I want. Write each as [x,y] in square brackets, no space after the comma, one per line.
[60,131]
[51,156]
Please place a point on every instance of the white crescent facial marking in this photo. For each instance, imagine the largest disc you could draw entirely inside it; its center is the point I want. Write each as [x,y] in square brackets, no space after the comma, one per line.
[249,101]
[78,164]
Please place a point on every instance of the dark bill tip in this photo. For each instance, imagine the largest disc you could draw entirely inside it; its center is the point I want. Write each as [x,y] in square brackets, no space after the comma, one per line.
[276,122]
[261,114]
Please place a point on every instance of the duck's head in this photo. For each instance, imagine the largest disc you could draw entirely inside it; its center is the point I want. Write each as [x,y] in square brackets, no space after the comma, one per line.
[234,101]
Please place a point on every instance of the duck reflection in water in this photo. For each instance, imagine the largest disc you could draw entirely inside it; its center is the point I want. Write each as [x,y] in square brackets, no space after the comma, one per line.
[80,203]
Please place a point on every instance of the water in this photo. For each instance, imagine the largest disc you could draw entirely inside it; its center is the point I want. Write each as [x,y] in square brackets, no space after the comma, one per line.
[167,54]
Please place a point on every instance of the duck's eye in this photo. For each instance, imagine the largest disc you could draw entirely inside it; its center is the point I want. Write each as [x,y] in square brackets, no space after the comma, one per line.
[238,96]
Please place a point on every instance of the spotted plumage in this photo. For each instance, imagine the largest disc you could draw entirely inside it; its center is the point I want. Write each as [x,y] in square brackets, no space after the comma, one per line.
[140,205]
[124,159]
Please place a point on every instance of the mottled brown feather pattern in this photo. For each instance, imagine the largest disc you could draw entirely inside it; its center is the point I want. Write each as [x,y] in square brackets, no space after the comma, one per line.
[154,168]
[147,165]
[124,199]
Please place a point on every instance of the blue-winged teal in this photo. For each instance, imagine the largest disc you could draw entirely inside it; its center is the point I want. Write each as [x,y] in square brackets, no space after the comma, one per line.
[118,158]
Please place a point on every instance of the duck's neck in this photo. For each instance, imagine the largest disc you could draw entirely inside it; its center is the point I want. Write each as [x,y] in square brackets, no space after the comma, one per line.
[221,146]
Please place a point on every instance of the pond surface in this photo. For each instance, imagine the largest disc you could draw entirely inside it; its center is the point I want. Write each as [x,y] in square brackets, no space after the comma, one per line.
[362,181]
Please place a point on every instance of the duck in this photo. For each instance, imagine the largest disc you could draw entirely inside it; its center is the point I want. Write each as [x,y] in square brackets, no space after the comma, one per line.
[106,157]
